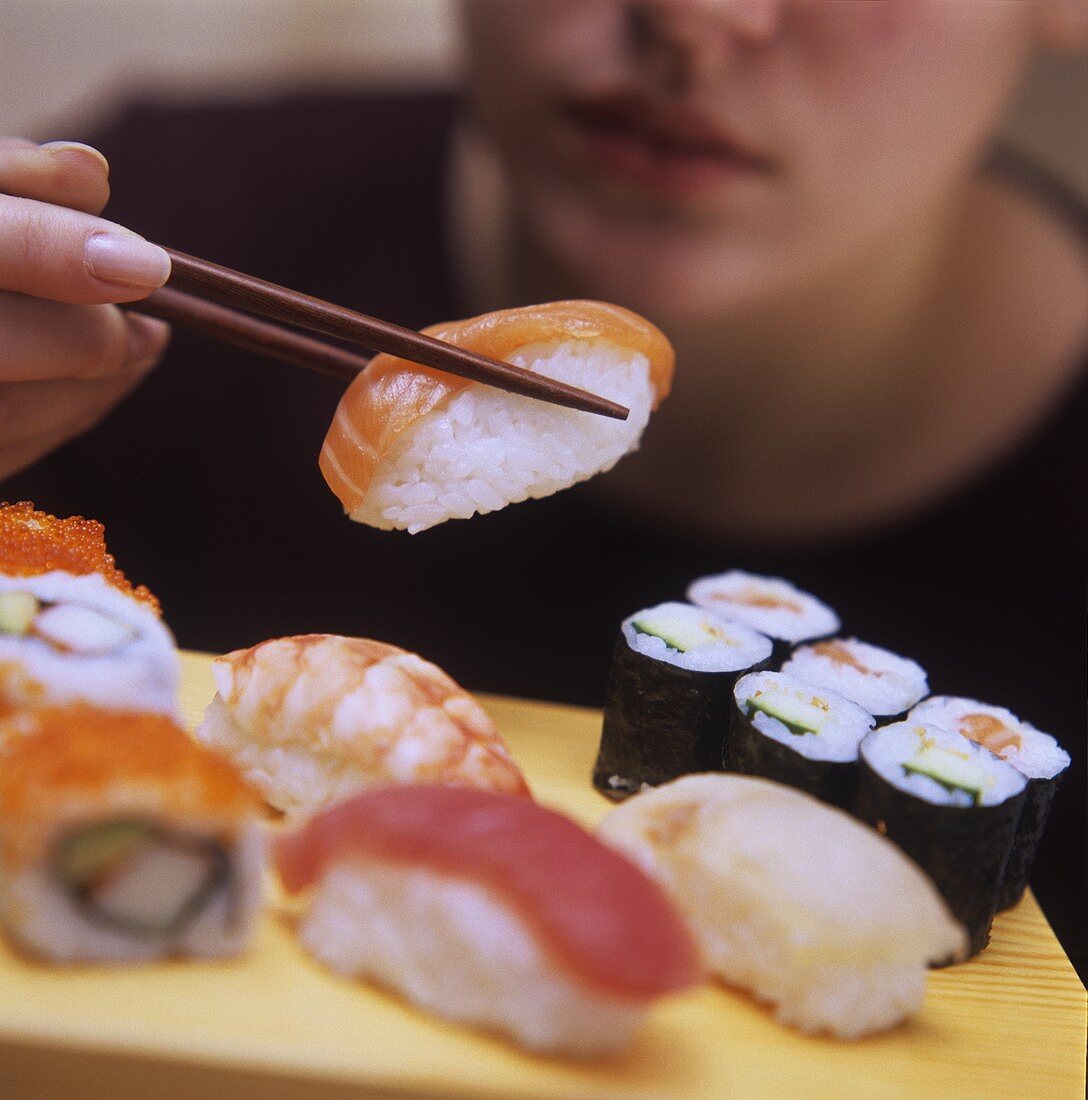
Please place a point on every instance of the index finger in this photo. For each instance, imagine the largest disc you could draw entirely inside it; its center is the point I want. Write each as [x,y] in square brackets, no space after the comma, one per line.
[52,252]
[63,172]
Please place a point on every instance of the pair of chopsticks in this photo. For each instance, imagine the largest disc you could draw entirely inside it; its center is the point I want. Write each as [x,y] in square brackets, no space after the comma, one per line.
[210,299]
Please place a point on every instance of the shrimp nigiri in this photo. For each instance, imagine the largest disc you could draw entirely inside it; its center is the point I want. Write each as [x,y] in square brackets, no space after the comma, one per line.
[410,447]
[314,718]
[491,910]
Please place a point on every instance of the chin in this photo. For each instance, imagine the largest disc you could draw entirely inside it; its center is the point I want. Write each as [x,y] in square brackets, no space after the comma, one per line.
[670,270]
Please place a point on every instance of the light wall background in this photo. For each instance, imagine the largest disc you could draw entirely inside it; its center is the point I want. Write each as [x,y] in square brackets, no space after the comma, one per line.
[65,65]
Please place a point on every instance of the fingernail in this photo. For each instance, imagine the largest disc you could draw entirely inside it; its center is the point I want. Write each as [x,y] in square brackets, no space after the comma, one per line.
[78,149]
[147,340]
[126,259]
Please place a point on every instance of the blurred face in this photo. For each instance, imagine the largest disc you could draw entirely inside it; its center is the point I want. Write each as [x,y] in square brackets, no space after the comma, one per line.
[687,157]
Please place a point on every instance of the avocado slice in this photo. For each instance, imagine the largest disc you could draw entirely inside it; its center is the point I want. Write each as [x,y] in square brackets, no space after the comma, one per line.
[953,770]
[17,611]
[90,853]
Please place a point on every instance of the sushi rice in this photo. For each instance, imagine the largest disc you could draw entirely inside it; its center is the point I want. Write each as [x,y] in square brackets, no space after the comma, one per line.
[771,605]
[108,648]
[822,725]
[1032,752]
[709,643]
[939,765]
[487,448]
[450,947]
[882,682]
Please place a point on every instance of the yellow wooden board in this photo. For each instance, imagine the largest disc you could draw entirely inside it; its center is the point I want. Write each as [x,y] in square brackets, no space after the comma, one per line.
[1011,1023]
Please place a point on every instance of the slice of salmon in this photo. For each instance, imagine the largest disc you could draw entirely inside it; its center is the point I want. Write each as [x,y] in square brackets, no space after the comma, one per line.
[393,394]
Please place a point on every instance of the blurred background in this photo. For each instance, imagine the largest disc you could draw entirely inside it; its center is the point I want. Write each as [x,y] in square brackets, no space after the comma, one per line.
[103,53]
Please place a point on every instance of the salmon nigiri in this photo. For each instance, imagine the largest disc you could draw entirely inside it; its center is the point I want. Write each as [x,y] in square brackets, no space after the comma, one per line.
[410,447]
[490,910]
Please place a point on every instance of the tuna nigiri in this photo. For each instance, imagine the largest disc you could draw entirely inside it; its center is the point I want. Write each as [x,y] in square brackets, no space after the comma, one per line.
[410,447]
[314,718]
[489,910]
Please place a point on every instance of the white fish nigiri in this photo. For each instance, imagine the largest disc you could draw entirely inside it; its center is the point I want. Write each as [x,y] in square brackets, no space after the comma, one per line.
[791,899]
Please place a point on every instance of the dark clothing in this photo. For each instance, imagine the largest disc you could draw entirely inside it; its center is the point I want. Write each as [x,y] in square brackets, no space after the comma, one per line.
[208,483]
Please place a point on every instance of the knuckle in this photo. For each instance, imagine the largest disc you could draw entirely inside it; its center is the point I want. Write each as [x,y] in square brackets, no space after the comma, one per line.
[32,239]
[107,343]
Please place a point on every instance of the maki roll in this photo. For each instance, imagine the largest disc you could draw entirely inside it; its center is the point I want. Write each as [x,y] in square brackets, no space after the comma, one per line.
[882,682]
[790,899]
[1031,752]
[72,628]
[771,605]
[411,447]
[787,730]
[314,718]
[668,695]
[121,840]
[951,805]
[489,910]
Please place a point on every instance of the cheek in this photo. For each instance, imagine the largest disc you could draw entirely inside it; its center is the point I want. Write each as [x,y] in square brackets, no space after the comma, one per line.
[893,100]
[525,50]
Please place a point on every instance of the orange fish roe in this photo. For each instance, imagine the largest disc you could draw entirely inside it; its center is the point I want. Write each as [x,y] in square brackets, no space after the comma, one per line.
[82,750]
[33,542]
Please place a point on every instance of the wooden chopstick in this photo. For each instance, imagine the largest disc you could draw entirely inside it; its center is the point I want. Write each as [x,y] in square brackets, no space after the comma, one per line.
[230,326]
[227,287]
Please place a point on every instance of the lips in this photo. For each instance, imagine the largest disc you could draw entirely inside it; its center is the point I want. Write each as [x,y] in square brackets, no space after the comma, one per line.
[657,146]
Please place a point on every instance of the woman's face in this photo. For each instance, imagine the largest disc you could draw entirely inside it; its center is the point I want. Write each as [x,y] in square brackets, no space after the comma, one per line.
[686,158]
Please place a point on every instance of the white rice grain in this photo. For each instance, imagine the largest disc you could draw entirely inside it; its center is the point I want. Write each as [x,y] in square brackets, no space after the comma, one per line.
[486,449]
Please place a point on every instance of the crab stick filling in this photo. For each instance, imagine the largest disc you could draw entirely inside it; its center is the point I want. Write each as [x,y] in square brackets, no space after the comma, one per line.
[63,627]
[139,877]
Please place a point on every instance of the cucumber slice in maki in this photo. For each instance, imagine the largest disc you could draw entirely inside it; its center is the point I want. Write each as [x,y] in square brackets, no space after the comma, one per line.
[679,631]
[953,771]
[799,718]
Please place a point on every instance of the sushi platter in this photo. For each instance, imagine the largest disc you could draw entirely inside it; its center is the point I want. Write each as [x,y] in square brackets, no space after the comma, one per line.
[1009,1022]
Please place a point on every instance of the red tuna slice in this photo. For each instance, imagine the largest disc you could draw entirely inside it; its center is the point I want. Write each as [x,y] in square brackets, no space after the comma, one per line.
[594,912]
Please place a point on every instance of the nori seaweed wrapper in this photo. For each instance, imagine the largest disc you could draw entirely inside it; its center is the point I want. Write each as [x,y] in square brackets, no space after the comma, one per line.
[749,752]
[1029,835]
[963,849]
[660,722]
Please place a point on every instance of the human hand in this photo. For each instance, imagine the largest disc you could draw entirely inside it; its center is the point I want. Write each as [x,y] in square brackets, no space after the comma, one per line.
[66,354]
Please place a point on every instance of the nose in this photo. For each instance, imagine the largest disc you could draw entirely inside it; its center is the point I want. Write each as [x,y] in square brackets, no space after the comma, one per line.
[681,42]
[755,22]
